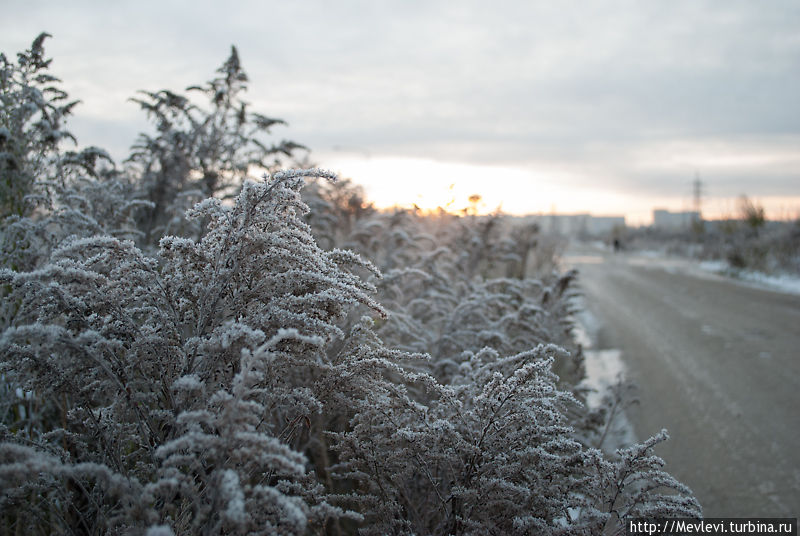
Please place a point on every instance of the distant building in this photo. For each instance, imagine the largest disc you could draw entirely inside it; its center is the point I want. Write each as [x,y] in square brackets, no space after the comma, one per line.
[597,225]
[664,219]
[578,224]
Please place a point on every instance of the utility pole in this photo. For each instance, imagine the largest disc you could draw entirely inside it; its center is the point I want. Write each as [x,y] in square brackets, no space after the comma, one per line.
[697,195]
[697,189]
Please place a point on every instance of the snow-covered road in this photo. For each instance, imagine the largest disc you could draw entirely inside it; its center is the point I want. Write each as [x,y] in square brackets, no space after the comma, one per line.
[717,364]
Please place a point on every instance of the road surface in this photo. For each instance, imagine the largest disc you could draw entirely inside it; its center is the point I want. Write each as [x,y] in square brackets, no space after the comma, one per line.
[717,364]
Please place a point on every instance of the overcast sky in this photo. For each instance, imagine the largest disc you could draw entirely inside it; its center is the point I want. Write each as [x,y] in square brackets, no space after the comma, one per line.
[608,106]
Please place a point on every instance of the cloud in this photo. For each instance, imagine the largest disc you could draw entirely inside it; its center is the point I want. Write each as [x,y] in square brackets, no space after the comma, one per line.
[613,91]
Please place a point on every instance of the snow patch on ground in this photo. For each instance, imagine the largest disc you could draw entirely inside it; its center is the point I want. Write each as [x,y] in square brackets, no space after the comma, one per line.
[785,283]
[604,368]
[581,331]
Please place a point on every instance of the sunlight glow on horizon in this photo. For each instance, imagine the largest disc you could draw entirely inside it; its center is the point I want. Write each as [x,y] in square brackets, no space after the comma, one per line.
[429,184]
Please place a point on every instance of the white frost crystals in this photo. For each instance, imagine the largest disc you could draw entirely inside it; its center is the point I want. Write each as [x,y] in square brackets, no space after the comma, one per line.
[184,372]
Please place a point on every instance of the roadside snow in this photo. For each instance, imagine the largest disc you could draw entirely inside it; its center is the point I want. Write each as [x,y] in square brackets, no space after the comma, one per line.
[604,369]
[781,283]
[788,284]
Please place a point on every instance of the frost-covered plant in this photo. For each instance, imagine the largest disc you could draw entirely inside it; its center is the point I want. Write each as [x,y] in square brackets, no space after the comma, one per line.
[31,124]
[336,209]
[440,303]
[187,375]
[75,204]
[49,193]
[206,149]
[480,333]
[431,313]
[492,453]
[487,449]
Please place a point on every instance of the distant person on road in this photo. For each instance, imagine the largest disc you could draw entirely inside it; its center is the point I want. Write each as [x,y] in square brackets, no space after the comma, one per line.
[617,245]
